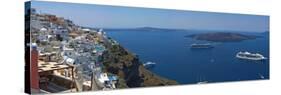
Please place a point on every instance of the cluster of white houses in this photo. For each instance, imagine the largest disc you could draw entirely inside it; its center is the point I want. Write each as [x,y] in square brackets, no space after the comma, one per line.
[68,57]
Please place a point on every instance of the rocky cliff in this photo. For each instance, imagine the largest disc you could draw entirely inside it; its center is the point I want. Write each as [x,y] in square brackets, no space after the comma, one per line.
[130,70]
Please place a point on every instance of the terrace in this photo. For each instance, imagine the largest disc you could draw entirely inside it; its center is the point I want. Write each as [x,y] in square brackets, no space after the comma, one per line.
[55,77]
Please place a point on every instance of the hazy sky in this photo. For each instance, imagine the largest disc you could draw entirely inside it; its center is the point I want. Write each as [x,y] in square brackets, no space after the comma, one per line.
[127,17]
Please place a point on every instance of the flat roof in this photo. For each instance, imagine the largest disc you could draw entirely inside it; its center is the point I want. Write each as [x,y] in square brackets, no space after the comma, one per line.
[51,66]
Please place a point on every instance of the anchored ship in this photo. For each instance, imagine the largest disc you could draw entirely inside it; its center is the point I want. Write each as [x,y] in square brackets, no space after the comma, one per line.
[250,56]
[202,46]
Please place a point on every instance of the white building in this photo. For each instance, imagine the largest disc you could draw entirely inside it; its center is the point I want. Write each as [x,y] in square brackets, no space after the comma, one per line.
[108,81]
[61,31]
[86,30]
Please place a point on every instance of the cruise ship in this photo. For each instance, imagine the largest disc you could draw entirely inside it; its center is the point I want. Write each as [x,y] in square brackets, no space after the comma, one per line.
[250,56]
[203,46]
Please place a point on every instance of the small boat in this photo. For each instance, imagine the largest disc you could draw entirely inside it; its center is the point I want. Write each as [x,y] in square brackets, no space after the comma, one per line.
[201,80]
[201,46]
[149,64]
[261,76]
[250,56]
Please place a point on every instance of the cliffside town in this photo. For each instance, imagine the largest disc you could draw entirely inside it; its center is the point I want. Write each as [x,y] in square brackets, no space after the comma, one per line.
[86,58]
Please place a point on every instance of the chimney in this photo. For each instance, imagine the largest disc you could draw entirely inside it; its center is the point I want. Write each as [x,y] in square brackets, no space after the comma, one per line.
[34,69]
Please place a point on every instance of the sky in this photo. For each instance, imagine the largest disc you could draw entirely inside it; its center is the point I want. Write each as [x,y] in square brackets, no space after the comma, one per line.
[104,16]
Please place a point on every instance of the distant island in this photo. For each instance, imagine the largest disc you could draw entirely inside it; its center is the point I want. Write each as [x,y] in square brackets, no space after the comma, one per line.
[146,29]
[158,29]
[222,37]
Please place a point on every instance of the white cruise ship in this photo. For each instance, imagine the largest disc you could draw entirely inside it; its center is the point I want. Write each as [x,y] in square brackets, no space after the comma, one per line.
[250,56]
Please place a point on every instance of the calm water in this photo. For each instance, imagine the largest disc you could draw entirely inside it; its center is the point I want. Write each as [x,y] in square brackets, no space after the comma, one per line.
[175,60]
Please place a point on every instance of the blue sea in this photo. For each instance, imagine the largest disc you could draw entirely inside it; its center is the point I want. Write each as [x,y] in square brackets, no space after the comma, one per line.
[174,59]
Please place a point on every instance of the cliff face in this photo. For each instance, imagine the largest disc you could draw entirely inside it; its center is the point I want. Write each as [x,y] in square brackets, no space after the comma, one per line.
[119,61]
